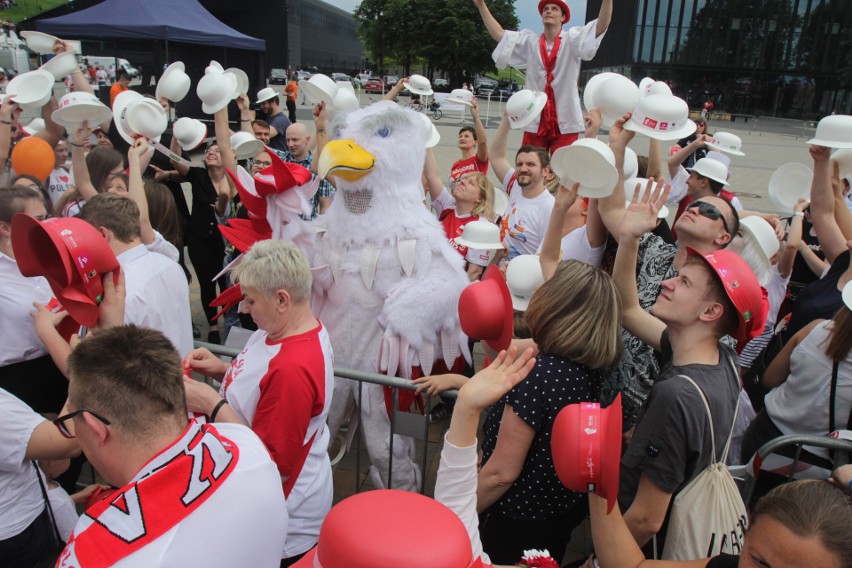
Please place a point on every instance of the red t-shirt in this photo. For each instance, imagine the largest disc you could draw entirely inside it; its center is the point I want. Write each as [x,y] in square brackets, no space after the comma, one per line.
[472,164]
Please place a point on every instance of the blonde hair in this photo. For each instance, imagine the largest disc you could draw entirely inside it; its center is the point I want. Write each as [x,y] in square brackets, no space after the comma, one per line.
[271,265]
[576,315]
[485,207]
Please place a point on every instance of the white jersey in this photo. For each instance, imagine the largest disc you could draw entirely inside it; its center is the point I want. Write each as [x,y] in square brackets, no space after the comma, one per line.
[525,220]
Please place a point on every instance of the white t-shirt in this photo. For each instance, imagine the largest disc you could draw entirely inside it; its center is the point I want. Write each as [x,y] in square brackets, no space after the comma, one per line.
[157,296]
[575,246]
[60,181]
[20,496]
[525,220]
[64,511]
[18,339]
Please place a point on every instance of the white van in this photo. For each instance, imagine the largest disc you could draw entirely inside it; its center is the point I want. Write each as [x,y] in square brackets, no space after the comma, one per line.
[106,61]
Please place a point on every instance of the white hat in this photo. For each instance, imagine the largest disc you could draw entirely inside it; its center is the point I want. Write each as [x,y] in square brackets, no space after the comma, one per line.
[190,133]
[644,86]
[78,106]
[214,67]
[712,169]
[789,183]
[524,107]
[346,100]
[32,89]
[245,145]
[720,157]
[501,201]
[319,88]
[589,162]
[174,83]
[418,85]
[62,65]
[266,94]
[434,136]
[345,86]
[480,235]
[35,126]
[843,157]
[630,187]
[631,164]
[759,235]
[242,80]
[726,142]
[137,116]
[833,131]
[655,88]
[614,95]
[662,117]
[40,42]
[523,277]
[215,91]
[461,96]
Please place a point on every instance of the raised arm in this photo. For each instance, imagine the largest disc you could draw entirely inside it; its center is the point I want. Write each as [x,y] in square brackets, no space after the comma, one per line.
[82,180]
[678,158]
[604,18]
[481,134]
[794,239]
[182,169]
[841,212]
[7,111]
[433,176]
[497,153]
[52,133]
[223,140]
[551,253]
[655,159]
[491,24]
[395,90]
[320,113]
[611,208]
[246,114]
[136,189]
[822,206]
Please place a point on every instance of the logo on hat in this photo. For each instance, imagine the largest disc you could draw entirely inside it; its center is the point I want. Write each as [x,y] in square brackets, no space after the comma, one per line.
[650,123]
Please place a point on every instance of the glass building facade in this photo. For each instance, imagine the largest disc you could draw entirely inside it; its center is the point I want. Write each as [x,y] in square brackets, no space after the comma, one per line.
[787,58]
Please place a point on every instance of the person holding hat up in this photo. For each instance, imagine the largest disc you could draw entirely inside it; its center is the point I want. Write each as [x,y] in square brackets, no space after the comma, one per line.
[552,62]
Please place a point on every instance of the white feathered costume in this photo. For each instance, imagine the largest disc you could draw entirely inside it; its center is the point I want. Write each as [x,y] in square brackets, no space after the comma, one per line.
[386,281]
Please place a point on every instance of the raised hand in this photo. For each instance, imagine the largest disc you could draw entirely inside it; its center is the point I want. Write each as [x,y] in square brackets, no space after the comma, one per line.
[488,385]
[641,215]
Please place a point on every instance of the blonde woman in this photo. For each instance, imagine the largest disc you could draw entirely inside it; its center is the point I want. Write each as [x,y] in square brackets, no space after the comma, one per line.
[472,198]
[522,503]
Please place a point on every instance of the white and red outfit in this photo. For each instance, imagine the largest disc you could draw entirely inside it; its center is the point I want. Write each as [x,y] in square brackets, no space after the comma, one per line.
[576,246]
[453,224]
[571,47]
[469,165]
[525,220]
[212,498]
[60,181]
[283,390]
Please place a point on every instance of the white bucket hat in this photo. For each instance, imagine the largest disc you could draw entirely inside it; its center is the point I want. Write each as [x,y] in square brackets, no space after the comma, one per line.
[523,277]
[215,91]
[712,169]
[245,145]
[501,201]
[40,42]
[720,157]
[434,136]
[663,117]
[461,96]
[345,86]
[726,142]
[137,116]
[524,107]
[614,95]
[418,85]
[788,184]
[631,164]
[589,162]
[32,89]
[319,88]
[242,80]
[480,235]
[346,100]
[214,67]
[630,187]
[35,126]
[174,83]
[78,106]
[762,233]
[190,133]
[843,158]
[62,65]
[833,131]
[266,94]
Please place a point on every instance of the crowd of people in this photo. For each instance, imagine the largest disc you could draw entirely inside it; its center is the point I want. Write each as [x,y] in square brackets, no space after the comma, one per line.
[729,325]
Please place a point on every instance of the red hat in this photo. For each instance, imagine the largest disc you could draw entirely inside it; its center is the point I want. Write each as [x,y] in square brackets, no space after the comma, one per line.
[389,527]
[586,447]
[743,290]
[485,310]
[71,254]
[566,11]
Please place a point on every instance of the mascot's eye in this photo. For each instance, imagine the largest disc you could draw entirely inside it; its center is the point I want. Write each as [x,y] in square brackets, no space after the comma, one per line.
[384,131]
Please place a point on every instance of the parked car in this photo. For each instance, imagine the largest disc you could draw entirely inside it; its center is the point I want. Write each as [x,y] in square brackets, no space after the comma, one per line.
[374,86]
[441,86]
[361,78]
[504,91]
[303,75]
[390,80]
[277,76]
[341,77]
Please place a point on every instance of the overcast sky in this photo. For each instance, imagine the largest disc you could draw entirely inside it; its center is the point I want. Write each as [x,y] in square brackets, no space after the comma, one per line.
[527,11]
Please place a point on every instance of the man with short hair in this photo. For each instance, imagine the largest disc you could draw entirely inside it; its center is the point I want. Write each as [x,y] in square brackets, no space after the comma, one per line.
[525,220]
[261,130]
[157,291]
[270,106]
[298,152]
[180,481]
[122,84]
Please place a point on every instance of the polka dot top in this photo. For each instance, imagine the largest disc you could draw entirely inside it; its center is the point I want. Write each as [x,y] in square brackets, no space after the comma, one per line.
[554,383]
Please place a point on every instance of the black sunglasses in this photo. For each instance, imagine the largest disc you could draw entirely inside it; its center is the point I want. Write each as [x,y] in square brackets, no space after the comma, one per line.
[63,429]
[710,211]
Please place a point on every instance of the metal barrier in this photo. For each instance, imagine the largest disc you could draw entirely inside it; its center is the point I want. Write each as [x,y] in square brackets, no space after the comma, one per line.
[402,423]
[784,126]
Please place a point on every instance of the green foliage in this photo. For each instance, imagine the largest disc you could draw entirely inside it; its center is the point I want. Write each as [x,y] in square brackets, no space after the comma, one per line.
[28,8]
[447,34]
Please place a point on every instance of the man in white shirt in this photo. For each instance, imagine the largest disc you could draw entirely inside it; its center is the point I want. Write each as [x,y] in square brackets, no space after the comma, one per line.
[157,291]
[552,62]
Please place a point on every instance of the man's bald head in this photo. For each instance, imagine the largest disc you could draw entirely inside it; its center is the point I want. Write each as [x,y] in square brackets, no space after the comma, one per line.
[298,140]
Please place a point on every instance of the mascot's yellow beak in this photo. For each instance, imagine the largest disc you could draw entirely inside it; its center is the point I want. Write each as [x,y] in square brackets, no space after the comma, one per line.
[346,160]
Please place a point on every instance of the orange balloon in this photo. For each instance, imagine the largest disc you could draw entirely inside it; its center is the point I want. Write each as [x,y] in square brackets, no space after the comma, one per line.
[33,156]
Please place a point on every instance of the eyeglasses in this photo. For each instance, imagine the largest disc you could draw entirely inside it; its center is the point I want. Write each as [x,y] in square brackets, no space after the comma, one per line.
[260,164]
[63,429]
[710,211]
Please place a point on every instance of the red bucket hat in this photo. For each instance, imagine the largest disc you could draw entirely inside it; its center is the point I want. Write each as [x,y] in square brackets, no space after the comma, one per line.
[387,527]
[586,447]
[485,310]
[566,11]
[71,254]
[743,290]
